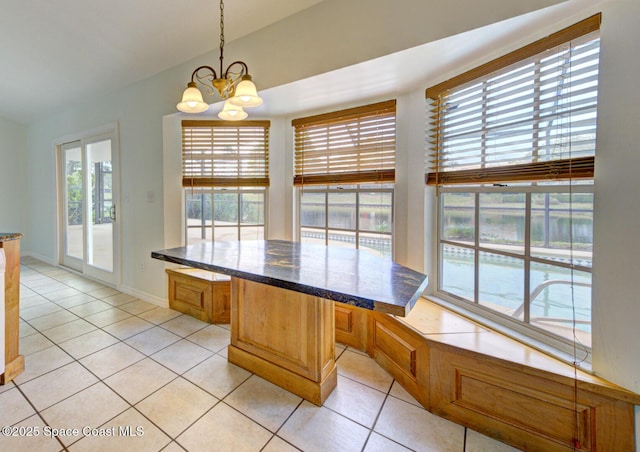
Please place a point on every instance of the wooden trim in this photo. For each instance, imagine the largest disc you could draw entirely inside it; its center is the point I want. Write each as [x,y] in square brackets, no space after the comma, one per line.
[220,123]
[578,168]
[224,182]
[12,369]
[345,178]
[574,31]
[335,116]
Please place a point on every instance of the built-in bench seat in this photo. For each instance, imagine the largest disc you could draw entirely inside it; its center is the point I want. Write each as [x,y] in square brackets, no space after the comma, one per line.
[463,371]
[200,293]
[484,380]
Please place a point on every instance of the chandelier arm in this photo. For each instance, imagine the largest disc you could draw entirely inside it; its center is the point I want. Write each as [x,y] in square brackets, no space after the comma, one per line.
[209,68]
[245,69]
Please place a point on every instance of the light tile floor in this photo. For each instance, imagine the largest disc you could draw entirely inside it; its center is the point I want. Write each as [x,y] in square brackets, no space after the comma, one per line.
[106,371]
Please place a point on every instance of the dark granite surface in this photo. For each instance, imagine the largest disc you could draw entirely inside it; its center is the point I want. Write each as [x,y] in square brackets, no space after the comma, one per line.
[347,275]
[4,236]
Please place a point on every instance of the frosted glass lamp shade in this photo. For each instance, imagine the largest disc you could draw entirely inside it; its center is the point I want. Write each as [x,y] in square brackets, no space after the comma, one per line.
[192,100]
[232,112]
[246,94]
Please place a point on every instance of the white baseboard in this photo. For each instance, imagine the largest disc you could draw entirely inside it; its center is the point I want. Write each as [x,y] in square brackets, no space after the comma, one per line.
[144,296]
[40,257]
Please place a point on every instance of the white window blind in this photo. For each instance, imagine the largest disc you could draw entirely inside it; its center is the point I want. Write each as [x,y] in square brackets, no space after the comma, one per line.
[346,147]
[220,154]
[531,120]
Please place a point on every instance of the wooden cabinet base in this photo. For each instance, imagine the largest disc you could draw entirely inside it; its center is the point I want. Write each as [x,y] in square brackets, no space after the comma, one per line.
[527,409]
[12,370]
[200,294]
[402,353]
[314,392]
[351,326]
[286,337]
[13,361]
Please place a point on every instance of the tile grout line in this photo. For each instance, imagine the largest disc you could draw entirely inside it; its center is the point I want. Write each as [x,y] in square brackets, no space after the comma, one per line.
[100,380]
[182,374]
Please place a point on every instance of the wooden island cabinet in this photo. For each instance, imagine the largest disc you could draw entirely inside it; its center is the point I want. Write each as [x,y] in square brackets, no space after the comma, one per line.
[13,360]
[282,303]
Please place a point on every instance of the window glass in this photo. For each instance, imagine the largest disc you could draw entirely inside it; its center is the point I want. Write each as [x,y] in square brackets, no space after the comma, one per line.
[500,281]
[502,221]
[225,214]
[312,209]
[350,216]
[557,220]
[225,208]
[557,294]
[458,271]
[458,217]
[252,208]
[342,210]
[562,227]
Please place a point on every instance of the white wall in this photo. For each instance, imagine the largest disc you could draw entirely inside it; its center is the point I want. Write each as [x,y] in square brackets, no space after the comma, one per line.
[13,188]
[334,34]
[350,38]
[616,295]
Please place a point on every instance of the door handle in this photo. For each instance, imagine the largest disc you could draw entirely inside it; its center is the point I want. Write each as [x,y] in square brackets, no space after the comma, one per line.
[112,213]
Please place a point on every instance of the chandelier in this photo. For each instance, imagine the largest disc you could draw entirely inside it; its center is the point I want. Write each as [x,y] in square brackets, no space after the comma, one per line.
[234,86]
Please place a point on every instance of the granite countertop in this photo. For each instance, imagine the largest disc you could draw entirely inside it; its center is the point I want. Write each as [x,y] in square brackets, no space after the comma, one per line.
[350,276]
[6,236]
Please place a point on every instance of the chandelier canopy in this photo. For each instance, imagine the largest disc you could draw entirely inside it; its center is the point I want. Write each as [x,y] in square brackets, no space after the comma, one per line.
[234,85]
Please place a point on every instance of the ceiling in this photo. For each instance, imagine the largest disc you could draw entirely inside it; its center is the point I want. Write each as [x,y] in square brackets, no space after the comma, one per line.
[55,52]
[409,70]
[52,52]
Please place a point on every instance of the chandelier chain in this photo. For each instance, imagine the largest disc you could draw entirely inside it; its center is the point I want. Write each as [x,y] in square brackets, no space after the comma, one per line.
[221,24]
[221,36]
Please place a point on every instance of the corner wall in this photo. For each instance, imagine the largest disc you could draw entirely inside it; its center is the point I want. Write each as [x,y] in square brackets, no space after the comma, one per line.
[616,295]
[13,186]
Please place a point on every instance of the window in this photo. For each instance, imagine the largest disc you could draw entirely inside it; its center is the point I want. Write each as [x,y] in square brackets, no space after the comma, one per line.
[344,169]
[513,158]
[225,214]
[225,173]
[358,216]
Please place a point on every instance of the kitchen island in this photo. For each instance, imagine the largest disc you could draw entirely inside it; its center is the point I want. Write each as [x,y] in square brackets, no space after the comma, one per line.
[282,303]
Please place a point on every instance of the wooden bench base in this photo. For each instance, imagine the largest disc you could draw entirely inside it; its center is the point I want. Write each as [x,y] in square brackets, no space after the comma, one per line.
[485,381]
[201,294]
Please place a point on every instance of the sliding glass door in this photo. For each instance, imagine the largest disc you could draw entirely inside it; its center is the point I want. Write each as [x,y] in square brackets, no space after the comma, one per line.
[88,211]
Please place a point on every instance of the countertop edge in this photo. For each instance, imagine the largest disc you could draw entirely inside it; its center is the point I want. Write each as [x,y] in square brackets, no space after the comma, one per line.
[6,236]
[297,287]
